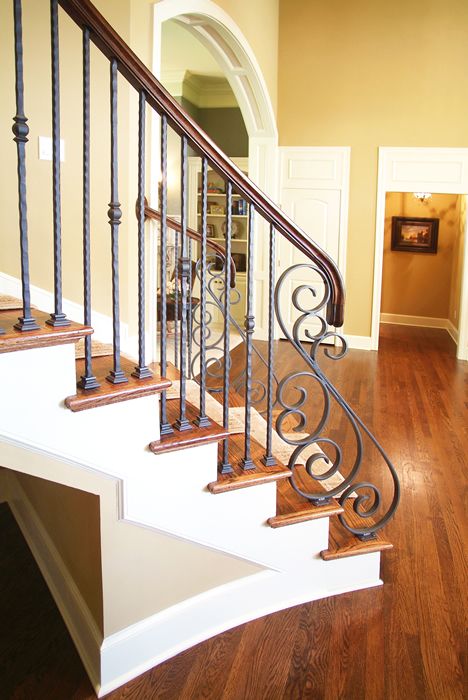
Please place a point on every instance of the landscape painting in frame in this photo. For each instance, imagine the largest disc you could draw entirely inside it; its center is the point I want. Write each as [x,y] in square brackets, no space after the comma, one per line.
[414,234]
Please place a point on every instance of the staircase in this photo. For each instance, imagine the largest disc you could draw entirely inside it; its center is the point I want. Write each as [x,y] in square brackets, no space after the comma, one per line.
[228,487]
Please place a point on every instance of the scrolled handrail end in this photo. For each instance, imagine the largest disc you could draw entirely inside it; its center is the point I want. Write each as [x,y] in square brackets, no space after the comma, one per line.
[335,314]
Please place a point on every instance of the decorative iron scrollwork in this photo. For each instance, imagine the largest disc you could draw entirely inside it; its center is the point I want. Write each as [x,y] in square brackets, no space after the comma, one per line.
[365,497]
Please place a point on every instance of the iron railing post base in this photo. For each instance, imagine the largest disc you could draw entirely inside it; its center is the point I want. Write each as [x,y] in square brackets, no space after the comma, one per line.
[24,324]
[142,373]
[58,320]
[88,383]
[269,461]
[247,464]
[202,422]
[166,429]
[116,377]
[183,424]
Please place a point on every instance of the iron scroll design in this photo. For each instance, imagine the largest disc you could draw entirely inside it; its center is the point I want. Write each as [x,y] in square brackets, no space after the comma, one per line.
[366,497]
[214,338]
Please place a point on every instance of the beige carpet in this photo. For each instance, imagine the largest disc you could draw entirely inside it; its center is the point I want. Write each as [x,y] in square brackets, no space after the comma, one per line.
[8,303]
[97,349]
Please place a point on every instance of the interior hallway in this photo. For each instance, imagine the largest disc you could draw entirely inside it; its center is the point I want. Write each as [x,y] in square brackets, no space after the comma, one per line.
[403,640]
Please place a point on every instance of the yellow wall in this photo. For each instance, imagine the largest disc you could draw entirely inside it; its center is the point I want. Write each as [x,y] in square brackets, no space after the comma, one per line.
[39,173]
[457,266]
[72,521]
[420,284]
[365,74]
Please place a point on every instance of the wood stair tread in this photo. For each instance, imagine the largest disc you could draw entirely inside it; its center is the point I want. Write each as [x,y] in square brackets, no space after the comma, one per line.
[293,508]
[109,393]
[13,340]
[342,543]
[239,479]
[180,440]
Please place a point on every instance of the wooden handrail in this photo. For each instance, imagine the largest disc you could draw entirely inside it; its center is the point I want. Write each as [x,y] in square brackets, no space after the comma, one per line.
[140,77]
[154,214]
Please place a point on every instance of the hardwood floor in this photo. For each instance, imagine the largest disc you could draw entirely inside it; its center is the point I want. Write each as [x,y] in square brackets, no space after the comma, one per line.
[406,639]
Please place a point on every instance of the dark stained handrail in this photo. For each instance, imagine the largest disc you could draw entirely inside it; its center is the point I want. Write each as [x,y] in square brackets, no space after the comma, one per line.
[151,213]
[140,77]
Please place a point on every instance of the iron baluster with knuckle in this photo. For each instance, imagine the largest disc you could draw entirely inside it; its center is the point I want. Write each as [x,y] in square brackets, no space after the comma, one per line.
[141,371]
[57,318]
[165,426]
[182,423]
[87,380]
[116,375]
[202,419]
[247,462]
[20,129]
[225,466]
[176,297]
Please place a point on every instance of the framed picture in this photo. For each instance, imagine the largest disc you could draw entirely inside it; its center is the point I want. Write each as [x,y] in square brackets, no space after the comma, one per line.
[210,231]
[414,234]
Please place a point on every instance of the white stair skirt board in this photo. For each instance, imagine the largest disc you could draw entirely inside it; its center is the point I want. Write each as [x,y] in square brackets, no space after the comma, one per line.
[38,437]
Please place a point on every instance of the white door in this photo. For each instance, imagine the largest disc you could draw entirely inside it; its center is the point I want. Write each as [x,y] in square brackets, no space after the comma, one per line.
[317,212]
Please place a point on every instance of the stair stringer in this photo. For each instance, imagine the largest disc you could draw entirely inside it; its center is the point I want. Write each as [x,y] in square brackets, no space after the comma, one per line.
[167,494]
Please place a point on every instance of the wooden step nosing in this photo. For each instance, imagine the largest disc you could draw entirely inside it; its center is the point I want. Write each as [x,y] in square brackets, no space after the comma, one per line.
[165,445]
[356,550]
[83,402]
[243,482]
[30,340]
[301,516]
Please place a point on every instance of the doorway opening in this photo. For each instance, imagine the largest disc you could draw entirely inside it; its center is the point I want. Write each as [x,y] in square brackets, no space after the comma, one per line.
[423,260]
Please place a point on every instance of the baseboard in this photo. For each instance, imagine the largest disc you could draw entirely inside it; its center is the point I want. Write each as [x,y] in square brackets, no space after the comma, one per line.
[75,613]
[43,299]
[421,322]
[359,342]
[453,332]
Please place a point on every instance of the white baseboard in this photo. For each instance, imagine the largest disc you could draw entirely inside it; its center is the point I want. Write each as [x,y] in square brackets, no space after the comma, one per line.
[421,322]
[43,299]
[76,614]
[359,342]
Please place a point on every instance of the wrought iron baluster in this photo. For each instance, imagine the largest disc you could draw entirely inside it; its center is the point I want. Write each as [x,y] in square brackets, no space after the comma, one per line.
[182,423]
[176,299]
[247,461]
[268,458]
[202,419]
[189,310]
[141,371]
[20,129]
[226,466]
[166,427]
[57,318]
[88,380]
[116,375]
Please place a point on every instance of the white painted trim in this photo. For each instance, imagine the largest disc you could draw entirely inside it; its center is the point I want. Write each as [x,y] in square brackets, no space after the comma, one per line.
[421,321]
[75,613]
[453,332]
[446,171]
[358,342]
[44,300]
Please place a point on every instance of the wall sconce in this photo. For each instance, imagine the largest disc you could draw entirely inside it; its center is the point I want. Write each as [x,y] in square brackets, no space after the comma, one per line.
[422,196]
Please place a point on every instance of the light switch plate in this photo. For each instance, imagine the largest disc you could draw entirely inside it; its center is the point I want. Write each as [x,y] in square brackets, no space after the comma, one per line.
[45,148]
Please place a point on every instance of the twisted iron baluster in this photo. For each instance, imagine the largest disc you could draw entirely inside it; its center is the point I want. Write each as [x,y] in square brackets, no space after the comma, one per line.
[182,423]
[268,458]
[20,129]
[116,375]
[87,380]
[247,462]
[226,466]
[176,299]
[166,427]
[57,318]
[141,371]
[202,419]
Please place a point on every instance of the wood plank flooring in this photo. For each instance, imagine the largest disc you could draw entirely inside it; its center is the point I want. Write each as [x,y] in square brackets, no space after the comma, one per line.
[404,640]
